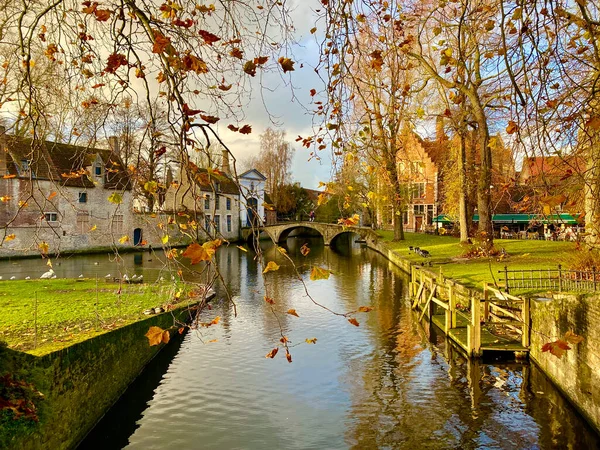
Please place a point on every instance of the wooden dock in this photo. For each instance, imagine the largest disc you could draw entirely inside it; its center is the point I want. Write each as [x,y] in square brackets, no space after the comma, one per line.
[492,321]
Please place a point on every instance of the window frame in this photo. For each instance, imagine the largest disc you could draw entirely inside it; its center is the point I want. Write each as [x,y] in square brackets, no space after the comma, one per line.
[83,195]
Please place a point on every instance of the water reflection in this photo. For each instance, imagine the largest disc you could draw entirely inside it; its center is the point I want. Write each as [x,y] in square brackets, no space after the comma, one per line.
[389,383]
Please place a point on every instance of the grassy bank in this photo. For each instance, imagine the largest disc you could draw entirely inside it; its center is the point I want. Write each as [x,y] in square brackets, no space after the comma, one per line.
[68,311]
[447,255]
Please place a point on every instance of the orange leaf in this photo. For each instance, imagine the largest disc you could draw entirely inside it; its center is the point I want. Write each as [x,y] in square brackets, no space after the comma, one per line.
[166,337]
[304,250]
[215,321]
[52,195]
[292,312]
[156,335]
[288,356]
[271,267]
[161,42]
[365,309]
[181,330]
[272,353]
[191,62]
[209,119]
[196,253]
[9,237]
[557,348]
[353,321]
[269,300]
[8,176]
[261,60]
[512,127]
[115,61]
[43,247]
[102,15]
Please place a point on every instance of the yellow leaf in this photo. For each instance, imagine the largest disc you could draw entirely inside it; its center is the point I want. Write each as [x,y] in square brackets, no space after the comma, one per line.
[365,309]
[215,321]
[165,239]
[311,341]
[282,250]
[10,237]
[123,239]
[573,338]
[242,248]
[151,186]
[43,247]
[93,228]
[52,195]
[49,263]
[271,266]
[156,335]
[318,273]
[115,198]
[5,199]
[292,312]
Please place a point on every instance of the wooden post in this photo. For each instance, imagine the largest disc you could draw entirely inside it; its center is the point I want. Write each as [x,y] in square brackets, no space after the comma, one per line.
[559,278]
[506,279]
[475,335]
[452,305]
[486,304]
[525,338]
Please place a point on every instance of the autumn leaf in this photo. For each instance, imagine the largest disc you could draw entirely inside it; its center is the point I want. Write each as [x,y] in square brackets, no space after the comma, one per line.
[161,42]
[165,239]
[209,119]
[94,227]
[115,61]
[195,64]
[304,250]
[246,129]
[593,123]
[311,341]
[102,15]
[232,127]
[208,37]
[115,198]
[318,273]
[43,247]
[557,348]
[271,267]
[272,353]
[216,320]
[292,312]
[573,338]
[350,221]
[512,127]
[236,53]
[123,239]
[321,199]
[288,355]
[242,248]
[225,87]
[376,60]
[269,300]
[10,237]
[9,176]
[250,68]
[51,50]
[313,92]
[52,195]
[353,321]
[5,198]
[196,253]
[286,64]
[365,309]
[156,335]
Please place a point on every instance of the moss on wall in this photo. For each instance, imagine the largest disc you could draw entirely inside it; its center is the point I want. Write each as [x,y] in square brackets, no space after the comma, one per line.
[79,383]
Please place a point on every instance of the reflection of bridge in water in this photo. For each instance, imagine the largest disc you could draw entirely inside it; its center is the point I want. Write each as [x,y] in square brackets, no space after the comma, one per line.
[329,231]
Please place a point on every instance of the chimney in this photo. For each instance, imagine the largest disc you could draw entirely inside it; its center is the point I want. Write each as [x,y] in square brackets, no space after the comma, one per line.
[440,136]
[225,163]
[113,143]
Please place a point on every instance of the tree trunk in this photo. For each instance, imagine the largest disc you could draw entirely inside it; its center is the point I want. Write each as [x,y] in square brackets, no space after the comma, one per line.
[484,198]
[398,223]
[592,191]
[463,210]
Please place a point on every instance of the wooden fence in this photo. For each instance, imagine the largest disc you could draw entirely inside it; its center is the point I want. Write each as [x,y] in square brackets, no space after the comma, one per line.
[472,320]
[559,279]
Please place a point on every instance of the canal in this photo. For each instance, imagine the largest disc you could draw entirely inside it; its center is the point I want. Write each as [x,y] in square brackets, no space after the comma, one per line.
[389,383]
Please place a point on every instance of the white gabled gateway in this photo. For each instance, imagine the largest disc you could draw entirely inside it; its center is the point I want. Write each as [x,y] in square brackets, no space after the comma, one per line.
[252,194]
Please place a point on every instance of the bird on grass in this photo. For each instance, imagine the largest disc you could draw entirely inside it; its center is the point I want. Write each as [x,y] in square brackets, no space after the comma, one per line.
[81,276]
[28,278]
[107,276]
[47,275]
[13,278]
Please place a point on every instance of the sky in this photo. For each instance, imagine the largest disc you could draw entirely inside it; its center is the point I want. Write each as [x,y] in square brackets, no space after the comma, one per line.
[279,109]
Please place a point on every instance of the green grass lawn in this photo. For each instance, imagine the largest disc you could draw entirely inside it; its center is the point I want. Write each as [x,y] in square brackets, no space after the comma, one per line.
[446,252]
[70,311]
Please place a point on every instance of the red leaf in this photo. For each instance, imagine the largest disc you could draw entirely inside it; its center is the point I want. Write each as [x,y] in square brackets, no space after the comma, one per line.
[190,112]
[353,321]
[208,37]
[115,61]
[313,92]
[209,119]
[161,43]
[232,127]
[102,15]
[272,353]
[557,348]
[246,129]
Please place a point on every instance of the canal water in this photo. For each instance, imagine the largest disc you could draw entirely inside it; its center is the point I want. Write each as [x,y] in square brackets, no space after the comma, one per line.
[390,383]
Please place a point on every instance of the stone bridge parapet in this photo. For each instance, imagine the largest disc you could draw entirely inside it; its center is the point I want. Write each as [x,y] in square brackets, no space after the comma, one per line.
[328,231]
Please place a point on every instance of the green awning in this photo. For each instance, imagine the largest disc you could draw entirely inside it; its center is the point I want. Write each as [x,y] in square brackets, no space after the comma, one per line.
[442,218]
[567,219]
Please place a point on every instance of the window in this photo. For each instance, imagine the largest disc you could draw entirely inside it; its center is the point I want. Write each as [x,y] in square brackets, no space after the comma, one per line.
[83,197]
[217,206]
[207,222]
[24,169]
[51,217]
[217,223]
[229,222]
[419,209]
[117,224]
[418,190]
[252,186]
[228,204]
[207,201]
[98,170]
[217,187]
[83,222]
[405,216]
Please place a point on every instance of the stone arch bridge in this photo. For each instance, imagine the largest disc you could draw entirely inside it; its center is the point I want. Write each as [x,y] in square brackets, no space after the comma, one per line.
[328,231]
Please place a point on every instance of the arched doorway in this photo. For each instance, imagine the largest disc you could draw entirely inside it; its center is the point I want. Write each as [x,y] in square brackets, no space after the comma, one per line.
[252,212]
[137,236]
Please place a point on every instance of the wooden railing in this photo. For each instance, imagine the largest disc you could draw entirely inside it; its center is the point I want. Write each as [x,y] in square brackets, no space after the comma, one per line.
[559,279]
[478,313]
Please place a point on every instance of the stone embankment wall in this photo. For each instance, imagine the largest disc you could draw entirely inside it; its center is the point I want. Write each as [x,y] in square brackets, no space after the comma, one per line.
[79,383]
[577,373]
